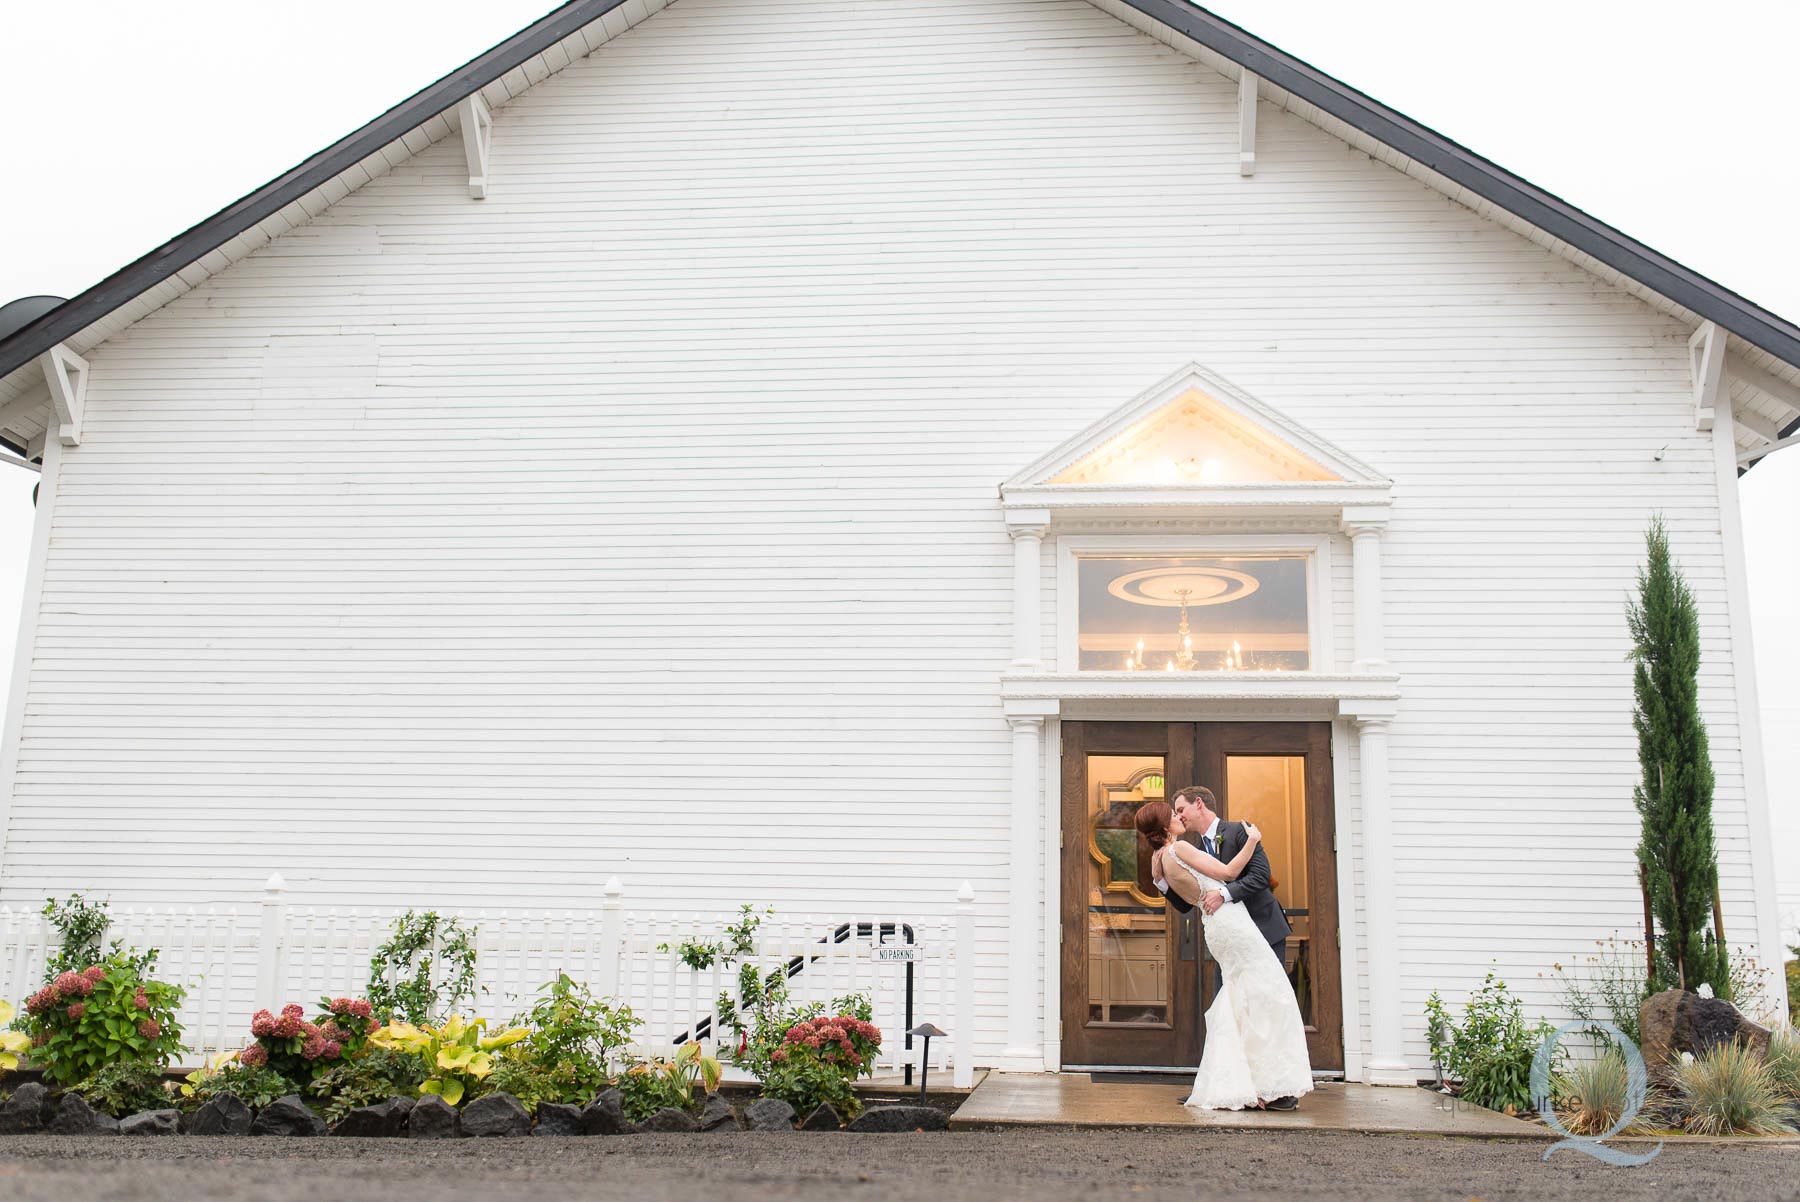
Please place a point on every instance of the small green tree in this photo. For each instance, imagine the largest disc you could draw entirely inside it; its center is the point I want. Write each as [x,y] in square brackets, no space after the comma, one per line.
[1674,798]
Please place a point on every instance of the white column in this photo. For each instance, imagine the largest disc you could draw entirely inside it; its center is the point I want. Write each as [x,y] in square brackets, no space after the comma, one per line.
[1027,529]
[1024,1048]
[1364,526]
[1387,1060]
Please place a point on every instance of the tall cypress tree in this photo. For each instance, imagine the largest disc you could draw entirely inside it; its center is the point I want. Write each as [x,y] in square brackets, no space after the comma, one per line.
[1675,796]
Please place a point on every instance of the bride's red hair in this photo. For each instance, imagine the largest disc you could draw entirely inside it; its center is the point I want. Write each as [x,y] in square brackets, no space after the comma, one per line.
[1152,822]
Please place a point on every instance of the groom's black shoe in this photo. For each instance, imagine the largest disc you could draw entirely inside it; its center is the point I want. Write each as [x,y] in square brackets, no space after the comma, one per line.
[1282,1104]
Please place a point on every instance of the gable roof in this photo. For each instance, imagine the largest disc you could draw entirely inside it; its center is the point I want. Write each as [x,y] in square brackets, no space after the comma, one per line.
[579,26]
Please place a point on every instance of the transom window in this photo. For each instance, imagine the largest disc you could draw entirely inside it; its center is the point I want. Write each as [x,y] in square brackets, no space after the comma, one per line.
[1194,613]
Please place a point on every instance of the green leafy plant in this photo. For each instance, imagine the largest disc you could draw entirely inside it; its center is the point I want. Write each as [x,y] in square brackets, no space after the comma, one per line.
[126,1088]
[254,1086]
[106,1014]
[425,970]
[818,1060]
[1727,1090]
[739,941]
[574,1044]
[655,1084]
[457,1056]
[1489,1053]
[1674,796]
[13,1044]
[372,1078]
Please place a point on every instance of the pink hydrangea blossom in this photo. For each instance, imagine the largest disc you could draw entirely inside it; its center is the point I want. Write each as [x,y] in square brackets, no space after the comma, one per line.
[77,1009]
[262,1023]
[140,1001]
[150,1028]
[333,1049]
[94,973]
[254,1056]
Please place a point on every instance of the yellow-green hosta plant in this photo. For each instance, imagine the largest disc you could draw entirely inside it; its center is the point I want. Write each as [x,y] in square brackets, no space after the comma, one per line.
[11,1042]
[457,1054]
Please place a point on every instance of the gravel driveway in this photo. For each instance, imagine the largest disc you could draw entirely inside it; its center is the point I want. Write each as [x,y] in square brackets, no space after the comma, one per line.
[1035,1165]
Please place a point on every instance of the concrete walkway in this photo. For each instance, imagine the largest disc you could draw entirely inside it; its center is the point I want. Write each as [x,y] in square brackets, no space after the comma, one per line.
[1077,1100]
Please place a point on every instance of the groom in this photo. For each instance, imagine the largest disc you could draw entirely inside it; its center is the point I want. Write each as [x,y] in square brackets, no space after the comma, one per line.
[1194,805]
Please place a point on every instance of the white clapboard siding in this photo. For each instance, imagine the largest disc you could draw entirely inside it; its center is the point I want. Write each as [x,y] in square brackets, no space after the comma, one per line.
[660,538]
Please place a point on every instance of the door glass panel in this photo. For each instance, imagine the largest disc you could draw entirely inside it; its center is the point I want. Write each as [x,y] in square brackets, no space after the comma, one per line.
[1127,936]
[1270,790]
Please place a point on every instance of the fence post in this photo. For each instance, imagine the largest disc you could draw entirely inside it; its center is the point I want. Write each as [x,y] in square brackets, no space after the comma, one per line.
[271,950]
[962,1034]
[611,926]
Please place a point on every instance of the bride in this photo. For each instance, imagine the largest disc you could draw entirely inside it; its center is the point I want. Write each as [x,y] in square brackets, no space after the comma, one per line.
[1255,1040]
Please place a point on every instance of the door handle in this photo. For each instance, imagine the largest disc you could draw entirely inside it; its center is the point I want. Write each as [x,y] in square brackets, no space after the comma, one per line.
[1187,934]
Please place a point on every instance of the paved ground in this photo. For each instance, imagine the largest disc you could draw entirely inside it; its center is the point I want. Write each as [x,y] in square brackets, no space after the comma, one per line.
[1038,1165]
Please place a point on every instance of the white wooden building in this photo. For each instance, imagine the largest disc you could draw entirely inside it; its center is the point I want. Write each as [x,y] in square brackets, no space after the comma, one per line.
[820,452]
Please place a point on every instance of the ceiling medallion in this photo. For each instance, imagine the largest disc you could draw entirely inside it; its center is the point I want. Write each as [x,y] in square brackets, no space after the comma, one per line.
[1174,587]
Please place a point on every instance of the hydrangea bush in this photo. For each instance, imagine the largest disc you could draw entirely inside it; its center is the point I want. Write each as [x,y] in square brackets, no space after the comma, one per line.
[105,1014]
[300,1050]
[818,1060]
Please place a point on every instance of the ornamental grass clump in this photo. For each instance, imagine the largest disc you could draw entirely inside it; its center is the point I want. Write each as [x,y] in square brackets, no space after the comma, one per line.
[1727,1090]
[1595,1094]
[105,1014]
[1783,1063]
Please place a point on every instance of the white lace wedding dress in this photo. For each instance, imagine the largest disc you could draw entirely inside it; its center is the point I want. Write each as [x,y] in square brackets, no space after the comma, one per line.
[1255,1039]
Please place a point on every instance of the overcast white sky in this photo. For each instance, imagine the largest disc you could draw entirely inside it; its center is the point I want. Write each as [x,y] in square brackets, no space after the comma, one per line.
[129,122]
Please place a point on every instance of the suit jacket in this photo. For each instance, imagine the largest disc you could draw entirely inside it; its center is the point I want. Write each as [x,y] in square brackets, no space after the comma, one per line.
[1251,889]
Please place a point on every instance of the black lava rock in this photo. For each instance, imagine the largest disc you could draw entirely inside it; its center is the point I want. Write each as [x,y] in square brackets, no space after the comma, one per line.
[24,1110]
[496,1115]
[825,1118]
[901,1118]
[287,1116]
[769,1114]
[605,1115]
[75,1117]
[717,1114]
[433,1118]
[223,1114]
[384,1120]
[671,1121]
[151,1122]
[555,1118]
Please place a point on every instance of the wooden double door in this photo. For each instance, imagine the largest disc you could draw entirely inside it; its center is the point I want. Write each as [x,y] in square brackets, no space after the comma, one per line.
[1135,976]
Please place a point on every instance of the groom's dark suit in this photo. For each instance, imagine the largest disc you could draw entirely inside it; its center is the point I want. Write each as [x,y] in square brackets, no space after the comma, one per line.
[1251,888]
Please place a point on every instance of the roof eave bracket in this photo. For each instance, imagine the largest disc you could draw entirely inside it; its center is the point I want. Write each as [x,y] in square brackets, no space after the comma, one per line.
[1706,360]
[1247,84]
[67,375]
[478,138]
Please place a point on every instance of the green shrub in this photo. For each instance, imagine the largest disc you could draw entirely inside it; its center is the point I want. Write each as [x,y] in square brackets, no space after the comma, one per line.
[253,1085]
[1728,1091]
[372,1078]
[106,1014]
[126,1088]
[1490,1053]
[575,1041]
[1783,1063]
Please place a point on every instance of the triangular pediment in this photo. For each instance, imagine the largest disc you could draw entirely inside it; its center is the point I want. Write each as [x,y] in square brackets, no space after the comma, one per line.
[1194,430]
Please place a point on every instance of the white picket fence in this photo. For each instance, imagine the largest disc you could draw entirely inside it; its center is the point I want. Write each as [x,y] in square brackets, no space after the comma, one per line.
[234,962]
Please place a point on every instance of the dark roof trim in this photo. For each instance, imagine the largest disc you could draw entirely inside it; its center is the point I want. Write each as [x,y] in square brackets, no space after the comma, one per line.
[134,279]
[1624,254]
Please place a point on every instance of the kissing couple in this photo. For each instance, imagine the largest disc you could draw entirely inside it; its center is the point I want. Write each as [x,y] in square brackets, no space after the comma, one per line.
[1255,1054]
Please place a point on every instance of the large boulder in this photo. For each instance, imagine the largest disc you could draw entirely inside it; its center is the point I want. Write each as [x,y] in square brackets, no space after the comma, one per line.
[497,1115]
[384,1120]
[769,1114]
[433,1118]
[671,1121]
[151,1122]
[901,1118]
[717,1114]
[556,1118]
[221,1114]
[605,1115]
[24,1109]
[1677,1020]
[287,1116]
[825,1118]
[75,1117]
